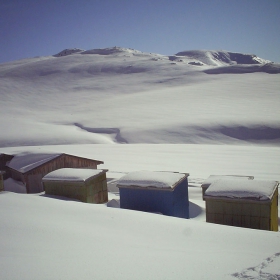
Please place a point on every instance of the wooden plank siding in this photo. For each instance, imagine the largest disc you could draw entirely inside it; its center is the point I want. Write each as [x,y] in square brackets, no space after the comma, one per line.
[33,178]
[1,181]
[92,190]
[16,175]
[243,213]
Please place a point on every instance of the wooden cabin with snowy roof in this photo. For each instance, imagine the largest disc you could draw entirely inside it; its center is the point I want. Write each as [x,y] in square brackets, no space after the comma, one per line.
[85,185]
[157,192]
[30,168]
[243,203]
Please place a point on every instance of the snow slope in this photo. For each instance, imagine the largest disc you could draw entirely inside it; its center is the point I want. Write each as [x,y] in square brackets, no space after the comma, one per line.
[81,96]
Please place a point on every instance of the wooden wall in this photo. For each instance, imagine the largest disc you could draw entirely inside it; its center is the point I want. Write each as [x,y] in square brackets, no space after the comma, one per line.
[1,182]
[93,190]
[243,213]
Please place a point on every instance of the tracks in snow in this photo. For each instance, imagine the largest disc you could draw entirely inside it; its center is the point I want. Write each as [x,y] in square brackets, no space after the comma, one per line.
[263,270]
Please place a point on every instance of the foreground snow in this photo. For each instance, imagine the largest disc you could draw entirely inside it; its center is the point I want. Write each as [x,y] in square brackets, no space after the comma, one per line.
[47,238]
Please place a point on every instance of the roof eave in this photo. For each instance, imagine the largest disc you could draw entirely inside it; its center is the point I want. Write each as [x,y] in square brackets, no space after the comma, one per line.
[170,189]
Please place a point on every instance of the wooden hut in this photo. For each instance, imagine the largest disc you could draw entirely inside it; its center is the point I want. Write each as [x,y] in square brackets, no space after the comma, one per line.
[157,192]
[30,168]
[86,185]
[243,203]
[212,178]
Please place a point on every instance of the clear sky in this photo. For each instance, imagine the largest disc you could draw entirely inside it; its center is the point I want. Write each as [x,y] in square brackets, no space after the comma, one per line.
[30,28]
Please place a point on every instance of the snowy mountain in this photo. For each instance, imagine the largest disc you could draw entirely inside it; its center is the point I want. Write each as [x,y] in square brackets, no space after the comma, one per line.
[214,58]
[84,89]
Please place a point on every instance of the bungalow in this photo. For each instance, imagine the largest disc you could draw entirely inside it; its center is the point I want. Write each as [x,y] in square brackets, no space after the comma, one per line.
[243,203]
[30,168]
[157,192]
[86,185]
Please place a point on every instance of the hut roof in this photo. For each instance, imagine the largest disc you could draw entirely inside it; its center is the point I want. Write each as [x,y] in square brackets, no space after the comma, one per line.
[242,189]
[27,161]
[212,178]
[73,174]
[150,179]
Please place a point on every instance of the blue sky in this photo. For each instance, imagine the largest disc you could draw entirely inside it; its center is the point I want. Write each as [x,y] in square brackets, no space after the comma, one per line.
[30,28]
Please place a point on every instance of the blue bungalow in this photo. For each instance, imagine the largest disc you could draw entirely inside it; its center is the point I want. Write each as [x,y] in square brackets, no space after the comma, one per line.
[157,192]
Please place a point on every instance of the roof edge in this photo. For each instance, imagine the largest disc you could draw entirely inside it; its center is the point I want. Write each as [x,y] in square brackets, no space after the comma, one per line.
[170,189]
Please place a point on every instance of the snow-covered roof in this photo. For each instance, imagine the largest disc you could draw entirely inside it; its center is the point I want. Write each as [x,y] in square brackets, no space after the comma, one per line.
[213,178]
[150,179]
[73,174]
[242,189]
[26,161]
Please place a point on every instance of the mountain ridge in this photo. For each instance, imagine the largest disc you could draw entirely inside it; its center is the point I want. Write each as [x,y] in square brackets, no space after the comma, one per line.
[205,56]
[118,60]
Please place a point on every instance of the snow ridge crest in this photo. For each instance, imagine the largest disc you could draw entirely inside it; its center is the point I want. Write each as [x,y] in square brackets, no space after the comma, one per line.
[219,58]
[102,51]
